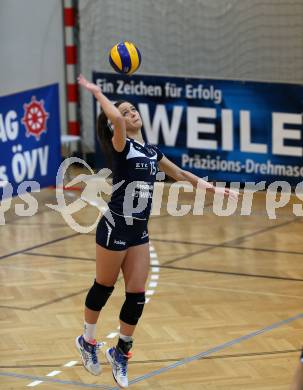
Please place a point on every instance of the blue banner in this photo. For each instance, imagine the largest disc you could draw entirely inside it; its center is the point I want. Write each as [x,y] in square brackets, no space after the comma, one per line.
[29,138]
[226,130]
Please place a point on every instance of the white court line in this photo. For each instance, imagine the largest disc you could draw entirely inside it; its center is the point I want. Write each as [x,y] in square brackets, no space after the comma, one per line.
[154,262]
[154,275]
[53,373]
[33,384]
[149,292]
[71,363]
[112,335]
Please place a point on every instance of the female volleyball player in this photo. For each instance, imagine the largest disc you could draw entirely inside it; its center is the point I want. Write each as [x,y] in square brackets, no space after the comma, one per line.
[122,235]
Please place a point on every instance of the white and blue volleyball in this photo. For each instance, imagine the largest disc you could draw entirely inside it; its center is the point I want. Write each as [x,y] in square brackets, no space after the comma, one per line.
[125,57]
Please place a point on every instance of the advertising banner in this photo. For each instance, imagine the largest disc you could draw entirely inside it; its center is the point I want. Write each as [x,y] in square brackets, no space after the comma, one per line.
[225,130]
[29,139]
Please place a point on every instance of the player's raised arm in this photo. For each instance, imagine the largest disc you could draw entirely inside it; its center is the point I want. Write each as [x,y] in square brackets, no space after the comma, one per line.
[111,112]
[179,174]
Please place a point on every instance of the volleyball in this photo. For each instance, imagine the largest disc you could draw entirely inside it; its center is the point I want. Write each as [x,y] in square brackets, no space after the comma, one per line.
[125,57]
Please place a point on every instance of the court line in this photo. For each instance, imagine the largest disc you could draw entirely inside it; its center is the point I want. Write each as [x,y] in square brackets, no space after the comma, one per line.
[219,347]
[232,290]
[62,298]
[186,359]
[187,255]
[111,335]
[264,250]
[59,299]
[241,355]
[183,242]
[48,302]
[44,303]
[199,356]
[70,257]
[54,380]
[153,361]
[261,231]
[230,246]
[165,265]
[60,256]
[39,245]
[229,273]
[237,239]
[168,360]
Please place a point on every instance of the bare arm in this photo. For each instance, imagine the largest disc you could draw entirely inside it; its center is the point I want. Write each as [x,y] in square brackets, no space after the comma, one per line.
[179,174]
[112,113]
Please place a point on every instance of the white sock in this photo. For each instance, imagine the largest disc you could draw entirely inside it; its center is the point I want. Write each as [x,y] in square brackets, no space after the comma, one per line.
[89,332]
[125,338]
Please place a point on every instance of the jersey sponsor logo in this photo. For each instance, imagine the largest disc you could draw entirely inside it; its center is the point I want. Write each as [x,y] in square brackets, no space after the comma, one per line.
[141,165]
[143,190]
[119,242]
[151,152]
[144,234]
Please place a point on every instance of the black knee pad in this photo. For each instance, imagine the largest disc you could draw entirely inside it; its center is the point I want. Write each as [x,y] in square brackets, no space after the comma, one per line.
[98,296]
[132,308]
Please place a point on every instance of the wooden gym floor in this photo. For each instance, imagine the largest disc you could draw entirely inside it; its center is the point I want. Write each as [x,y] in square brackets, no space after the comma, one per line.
[224,311]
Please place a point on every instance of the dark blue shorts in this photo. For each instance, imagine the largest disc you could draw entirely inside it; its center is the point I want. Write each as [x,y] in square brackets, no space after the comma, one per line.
[115,234]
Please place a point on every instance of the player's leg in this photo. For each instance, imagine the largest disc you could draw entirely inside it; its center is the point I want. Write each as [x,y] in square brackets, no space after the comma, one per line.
[108,264]
[298,377]
[135,269]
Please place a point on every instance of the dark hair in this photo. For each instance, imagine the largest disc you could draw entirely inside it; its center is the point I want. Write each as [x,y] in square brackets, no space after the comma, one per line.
[105,135]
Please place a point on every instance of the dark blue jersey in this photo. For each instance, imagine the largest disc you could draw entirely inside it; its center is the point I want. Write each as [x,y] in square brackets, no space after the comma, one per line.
[135,168]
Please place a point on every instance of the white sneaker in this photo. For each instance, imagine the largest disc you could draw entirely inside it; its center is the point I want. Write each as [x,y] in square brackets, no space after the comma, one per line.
[119,363]
[88,353]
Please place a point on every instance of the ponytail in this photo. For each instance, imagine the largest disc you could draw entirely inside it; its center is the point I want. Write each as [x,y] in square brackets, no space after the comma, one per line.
[105,135]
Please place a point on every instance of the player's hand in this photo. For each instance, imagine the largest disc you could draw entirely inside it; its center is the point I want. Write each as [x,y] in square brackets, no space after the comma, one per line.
[91,87]
[227,192]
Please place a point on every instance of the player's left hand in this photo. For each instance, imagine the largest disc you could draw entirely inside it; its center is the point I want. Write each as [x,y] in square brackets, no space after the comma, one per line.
[227,192]
[91,87]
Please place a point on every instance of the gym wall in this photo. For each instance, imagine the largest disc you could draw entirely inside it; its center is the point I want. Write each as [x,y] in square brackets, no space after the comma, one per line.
[32,47]
[259,40]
